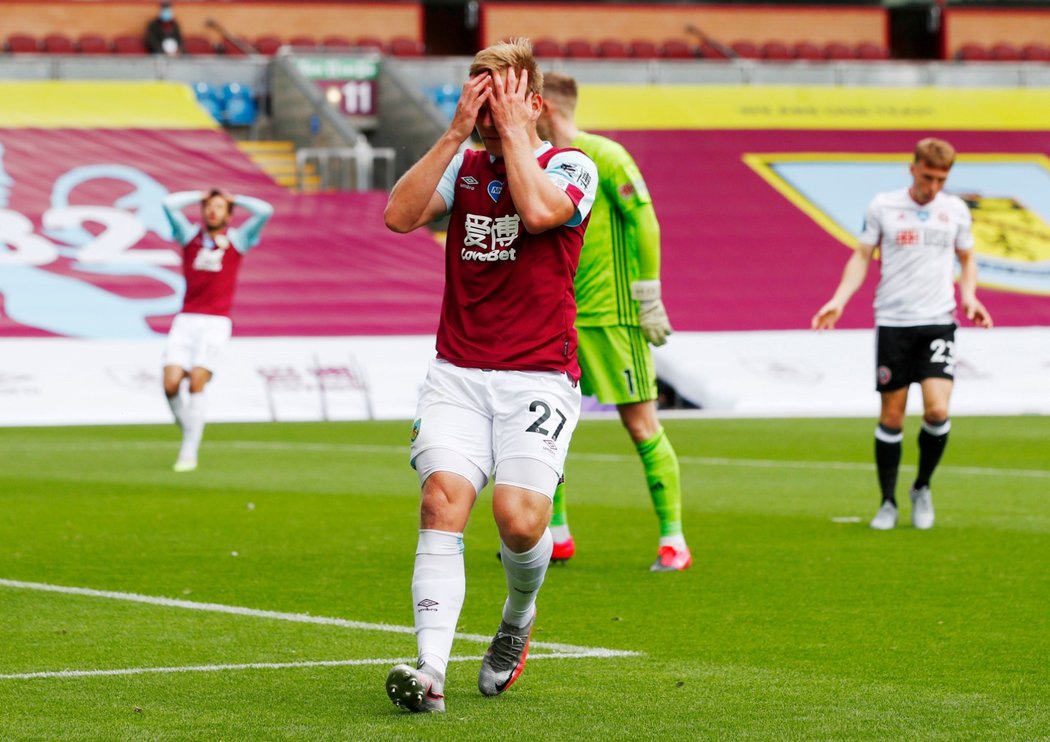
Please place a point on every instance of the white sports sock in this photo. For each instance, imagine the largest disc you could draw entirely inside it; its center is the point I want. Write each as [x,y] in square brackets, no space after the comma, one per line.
[677,542]
[525,573]
[439,585]
[192,427]
[175,403]
[560,533]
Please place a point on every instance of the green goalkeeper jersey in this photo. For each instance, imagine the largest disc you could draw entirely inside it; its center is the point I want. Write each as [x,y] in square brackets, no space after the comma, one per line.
[622,242]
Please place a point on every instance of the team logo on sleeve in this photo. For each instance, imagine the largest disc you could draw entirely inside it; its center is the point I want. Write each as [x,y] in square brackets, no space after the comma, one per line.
[495,189]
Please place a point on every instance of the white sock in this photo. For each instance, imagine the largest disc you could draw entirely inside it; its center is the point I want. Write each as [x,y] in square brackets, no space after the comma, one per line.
[439,585]
[560,533]
[525,573]
[175,403]
[678,542]
[192,427]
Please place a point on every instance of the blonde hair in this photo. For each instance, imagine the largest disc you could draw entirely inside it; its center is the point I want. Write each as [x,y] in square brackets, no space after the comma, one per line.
[515,54]
[935,153]
[561,92]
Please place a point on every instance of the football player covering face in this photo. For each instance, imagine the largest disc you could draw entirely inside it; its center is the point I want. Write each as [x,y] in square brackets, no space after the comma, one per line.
[501,106]
[927,181]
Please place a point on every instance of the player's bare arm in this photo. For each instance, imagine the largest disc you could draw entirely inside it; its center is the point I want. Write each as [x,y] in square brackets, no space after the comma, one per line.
[972,306]
[540,204]
[414,200]
[852,278]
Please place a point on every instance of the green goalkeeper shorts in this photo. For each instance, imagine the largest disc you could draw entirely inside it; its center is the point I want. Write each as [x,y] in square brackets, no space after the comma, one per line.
[617,365]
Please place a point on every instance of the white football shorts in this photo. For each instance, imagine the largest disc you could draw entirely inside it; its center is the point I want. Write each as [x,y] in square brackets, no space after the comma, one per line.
[476,422]
[197,341]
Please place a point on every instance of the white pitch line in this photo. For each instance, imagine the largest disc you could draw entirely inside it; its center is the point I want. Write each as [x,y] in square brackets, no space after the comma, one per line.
[351,448]
[570,649]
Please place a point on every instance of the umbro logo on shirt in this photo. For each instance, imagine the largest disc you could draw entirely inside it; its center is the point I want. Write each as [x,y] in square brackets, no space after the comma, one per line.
[468,182]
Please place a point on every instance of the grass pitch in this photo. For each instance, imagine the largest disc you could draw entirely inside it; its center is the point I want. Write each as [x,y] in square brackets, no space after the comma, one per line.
[796,621]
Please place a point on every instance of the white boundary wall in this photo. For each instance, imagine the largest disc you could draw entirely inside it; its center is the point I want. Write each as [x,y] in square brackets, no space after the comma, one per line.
[759,374]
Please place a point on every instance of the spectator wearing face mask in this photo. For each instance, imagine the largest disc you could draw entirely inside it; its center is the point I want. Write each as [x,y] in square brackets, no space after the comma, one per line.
[162,33]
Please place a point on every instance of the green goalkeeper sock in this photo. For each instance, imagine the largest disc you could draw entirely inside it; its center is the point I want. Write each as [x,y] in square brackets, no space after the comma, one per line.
[662,476]
[560,515]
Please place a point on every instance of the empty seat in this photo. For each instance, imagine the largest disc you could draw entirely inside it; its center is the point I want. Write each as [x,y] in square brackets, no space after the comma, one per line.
[1004,52]
[56,43]
[643,49]
[1036,52]
[195,44]
[612,49]
[714,52]
[92,44]
[808,50]
[303,41]
[870,50]
[336,42]
[677,49]
[402,46]
[128,44]
[837,50]
[973,53]
[21,43]
[580,49]
[238,105]
[371,42]
[546,48]
[745,49]
[774,51]
[210,99]
[267,45]
[230,49]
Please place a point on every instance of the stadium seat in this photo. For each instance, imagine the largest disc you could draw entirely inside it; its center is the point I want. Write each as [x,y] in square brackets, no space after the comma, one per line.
[227,47]
[713,52]
[837,50]
[92,44]
[238,105]
[808,50]
[612,49]
[20,43]
[643,49]
[972,53]
[547,48]
[580,49]
[371,42]
[745,50]
[210,99]
[870,50]
[128,44]
[402,46]
[267,45]
[776,51]
[677,49]
[57,43]
[1004,52]
[336,42]
[1036,52]
[308,42]
[196,45]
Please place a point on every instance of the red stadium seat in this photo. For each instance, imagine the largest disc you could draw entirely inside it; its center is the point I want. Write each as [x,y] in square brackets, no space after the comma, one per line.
[56,43]
[1004,52]
[20,43]
[580,49]
[643,49]
[837,50]
[776,51]
[92,44]
[129,45]
[547,48]
[303,41]
[869,50]
[336,42]
[713,52]
[972,53]
[197,45]
[371,42]
[612,49]
[745,50]
[809,51]
[268,44]
[402,46]
[227,47]
[1036,52]
[677,49]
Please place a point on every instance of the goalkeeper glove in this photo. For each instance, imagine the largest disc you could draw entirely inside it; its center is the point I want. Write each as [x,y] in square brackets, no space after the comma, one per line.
[651,313]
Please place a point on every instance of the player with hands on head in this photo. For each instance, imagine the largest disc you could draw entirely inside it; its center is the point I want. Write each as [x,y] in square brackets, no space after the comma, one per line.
[501,399]
[620,314]
[920,232]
